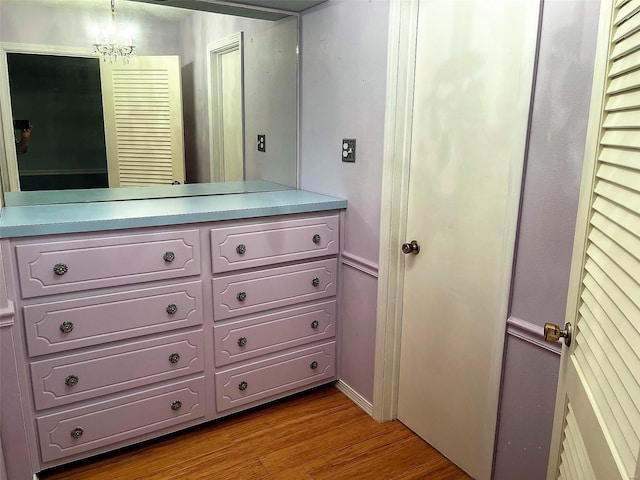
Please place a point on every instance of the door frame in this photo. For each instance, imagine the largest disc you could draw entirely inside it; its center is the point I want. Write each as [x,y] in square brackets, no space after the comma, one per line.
[401,52]
[9,167]
[216,151]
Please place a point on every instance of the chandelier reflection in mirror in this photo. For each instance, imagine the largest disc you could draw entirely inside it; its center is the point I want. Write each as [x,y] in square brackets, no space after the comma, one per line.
[113,41]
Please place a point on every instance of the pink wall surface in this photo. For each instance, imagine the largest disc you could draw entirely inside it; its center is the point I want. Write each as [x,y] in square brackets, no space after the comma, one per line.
[343,88]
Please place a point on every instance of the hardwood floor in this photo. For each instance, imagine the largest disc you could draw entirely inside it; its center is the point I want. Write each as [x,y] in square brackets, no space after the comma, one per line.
[318,435]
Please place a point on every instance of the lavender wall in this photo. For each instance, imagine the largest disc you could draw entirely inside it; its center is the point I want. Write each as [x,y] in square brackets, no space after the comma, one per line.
[549,205]
[343,79]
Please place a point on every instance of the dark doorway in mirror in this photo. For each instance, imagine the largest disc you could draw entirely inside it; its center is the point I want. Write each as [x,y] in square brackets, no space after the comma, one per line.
[61,98]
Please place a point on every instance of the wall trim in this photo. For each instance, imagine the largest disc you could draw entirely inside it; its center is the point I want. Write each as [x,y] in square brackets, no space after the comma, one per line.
[355,397]
[7,315]
[531,333]
[361,264]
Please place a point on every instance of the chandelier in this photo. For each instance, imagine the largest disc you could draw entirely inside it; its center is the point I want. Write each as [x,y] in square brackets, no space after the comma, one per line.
[114,42]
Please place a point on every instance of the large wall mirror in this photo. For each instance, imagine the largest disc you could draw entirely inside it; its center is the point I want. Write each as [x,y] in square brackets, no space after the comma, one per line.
[229,86]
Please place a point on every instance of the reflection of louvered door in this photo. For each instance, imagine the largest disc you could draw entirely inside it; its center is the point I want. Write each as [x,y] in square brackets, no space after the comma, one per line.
[597,424]
[142,103]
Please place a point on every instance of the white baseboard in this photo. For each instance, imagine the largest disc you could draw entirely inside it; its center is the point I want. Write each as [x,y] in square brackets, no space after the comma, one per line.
[355,397]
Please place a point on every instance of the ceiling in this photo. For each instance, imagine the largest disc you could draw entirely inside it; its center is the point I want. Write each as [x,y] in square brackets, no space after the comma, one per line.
[261,9]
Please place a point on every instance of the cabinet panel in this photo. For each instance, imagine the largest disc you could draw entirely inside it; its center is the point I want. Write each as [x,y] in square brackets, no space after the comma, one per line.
[56,267]
[57,326]
[265,334]
[71,378]
[276,287]
[260,380]
[246,246]
[82,429]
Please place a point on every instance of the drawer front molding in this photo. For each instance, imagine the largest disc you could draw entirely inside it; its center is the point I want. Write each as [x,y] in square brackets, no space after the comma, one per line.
[72,378]
[246,384]
[269,333]
[58,267]
[277,287]
[79,430]
[105,318]
[247,246]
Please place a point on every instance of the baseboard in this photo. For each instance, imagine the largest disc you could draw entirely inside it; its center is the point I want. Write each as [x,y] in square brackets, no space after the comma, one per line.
[355,397]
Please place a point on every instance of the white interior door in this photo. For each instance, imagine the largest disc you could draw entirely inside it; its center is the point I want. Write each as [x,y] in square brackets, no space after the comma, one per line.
[474,70]
[142,104]
[597,421]
[226,116]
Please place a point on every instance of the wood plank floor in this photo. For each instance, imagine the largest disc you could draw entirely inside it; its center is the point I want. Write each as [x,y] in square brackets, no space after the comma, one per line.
[317,435]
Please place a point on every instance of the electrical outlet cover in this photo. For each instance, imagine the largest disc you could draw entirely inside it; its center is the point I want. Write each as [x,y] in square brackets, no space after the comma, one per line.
[348,150]
[262,143]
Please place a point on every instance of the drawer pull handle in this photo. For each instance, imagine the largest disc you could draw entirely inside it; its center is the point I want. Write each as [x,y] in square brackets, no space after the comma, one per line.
[313,365]
[315,282]
[317,239]
[77,432]
[315,324]
[177,405]
[241,249]
[242,296]
[242,341]
[60,269]
[174,358]
[243,386]
[169,257]
[172,308]
[71,380]
[66,327]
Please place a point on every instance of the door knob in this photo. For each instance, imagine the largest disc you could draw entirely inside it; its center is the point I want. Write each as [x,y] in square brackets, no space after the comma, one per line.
[412,247]
[552,333]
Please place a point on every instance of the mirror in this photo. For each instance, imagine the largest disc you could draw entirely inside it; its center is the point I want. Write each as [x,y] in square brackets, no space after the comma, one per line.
[61,32]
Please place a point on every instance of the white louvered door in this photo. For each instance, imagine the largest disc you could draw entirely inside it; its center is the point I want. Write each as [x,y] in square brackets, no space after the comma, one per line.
[142,104]
[597,422]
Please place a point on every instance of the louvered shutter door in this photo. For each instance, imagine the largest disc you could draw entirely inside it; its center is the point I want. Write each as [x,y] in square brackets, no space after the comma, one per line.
[601,429]
[142,103]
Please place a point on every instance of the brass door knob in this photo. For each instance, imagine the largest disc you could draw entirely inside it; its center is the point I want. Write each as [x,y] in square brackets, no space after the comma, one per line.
[412,248]
[553,333]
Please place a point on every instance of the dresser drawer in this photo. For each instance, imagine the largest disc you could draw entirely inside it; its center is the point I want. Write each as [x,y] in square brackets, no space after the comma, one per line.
[58,326]
[259,380]
[55,267]
[255,291]
[82,429]
[265,334]
[246,246]
[72,378]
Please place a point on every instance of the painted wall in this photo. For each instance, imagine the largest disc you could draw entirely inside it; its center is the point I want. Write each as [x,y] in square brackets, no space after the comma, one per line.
[343,81]
[270,80]
[549,206]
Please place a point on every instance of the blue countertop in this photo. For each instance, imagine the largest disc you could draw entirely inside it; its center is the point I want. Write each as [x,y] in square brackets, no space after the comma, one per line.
[30,220]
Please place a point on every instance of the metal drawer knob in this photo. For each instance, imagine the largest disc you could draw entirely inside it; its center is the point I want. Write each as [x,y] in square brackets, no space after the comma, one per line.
[242,341]
[243,386]
[172,308]
[169,257]
[60,269]
[77,432]
[313,365]
[315,324]
[315,282]
[242,296]
[71,380]
[177,405]
[174,358]
[317,239]
[66,327]
[241,249]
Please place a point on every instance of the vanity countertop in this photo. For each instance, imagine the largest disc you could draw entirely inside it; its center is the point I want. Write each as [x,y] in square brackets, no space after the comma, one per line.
[31,220]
